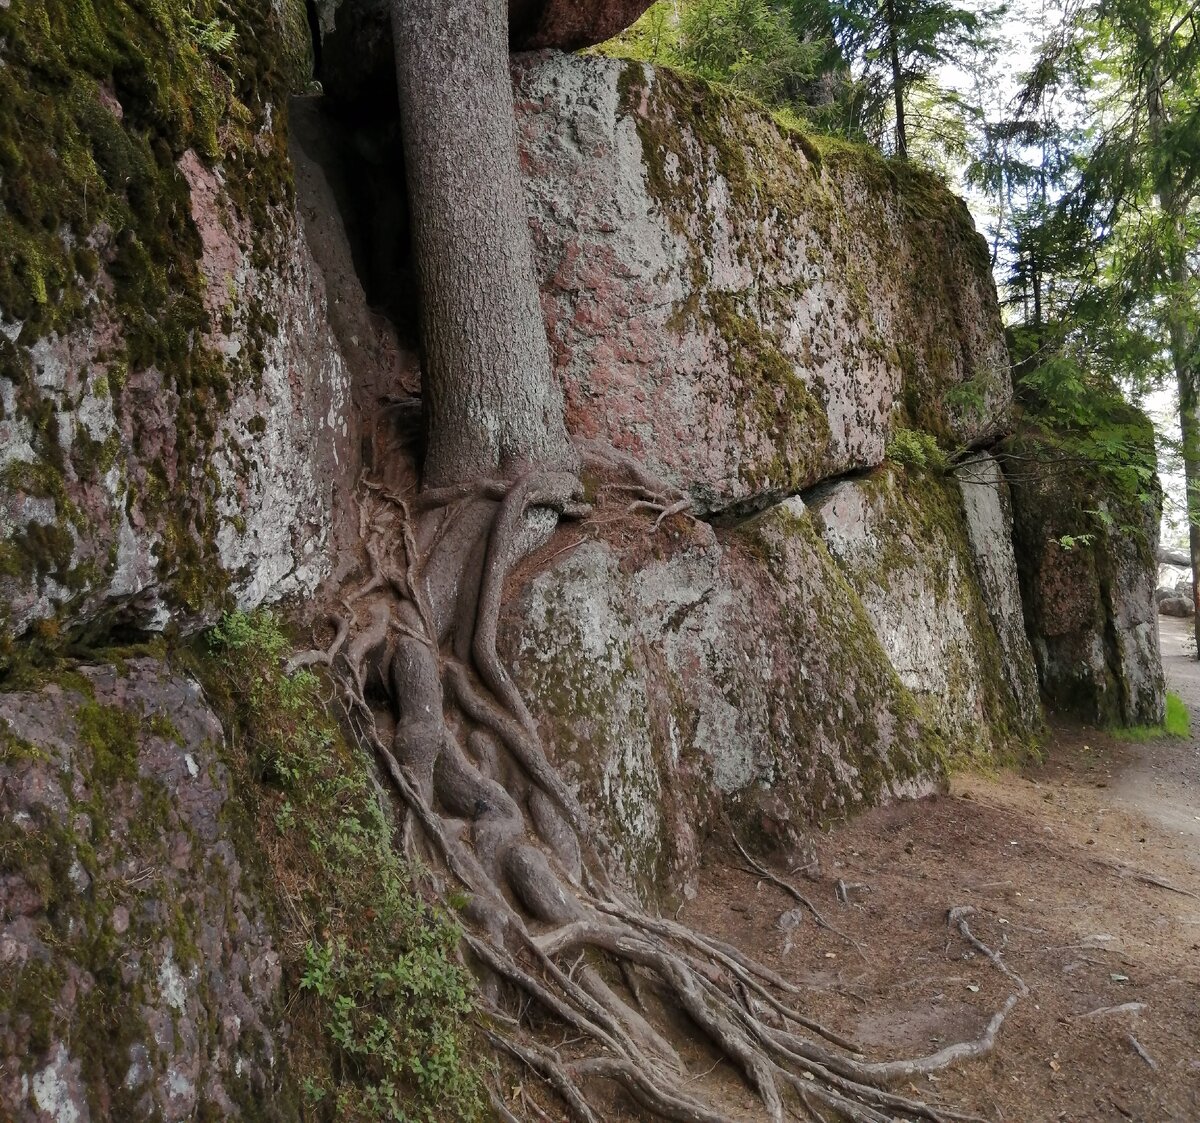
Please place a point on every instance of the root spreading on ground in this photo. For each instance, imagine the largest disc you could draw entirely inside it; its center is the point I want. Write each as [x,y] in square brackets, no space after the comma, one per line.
[560,950]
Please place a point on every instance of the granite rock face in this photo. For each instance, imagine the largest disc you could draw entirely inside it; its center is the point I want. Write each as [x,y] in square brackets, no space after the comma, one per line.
[138,974]
[685,678]
[173,401]
[903,540]
[987,505]
[746,311]
[1086,549]
[754,316]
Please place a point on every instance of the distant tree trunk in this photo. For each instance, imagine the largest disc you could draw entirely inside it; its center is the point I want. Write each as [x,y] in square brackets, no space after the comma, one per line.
[897,83]
[491,401]
[1181,340]
[1187,378]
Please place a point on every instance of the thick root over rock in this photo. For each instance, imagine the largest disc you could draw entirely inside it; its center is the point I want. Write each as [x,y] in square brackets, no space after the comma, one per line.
[548,932]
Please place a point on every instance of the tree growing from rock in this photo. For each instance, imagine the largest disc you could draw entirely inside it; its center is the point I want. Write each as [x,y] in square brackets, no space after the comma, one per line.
[415,649]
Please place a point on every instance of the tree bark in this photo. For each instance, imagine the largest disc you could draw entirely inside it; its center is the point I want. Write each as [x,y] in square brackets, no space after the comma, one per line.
[492,404]
[897,83]
[1187,378]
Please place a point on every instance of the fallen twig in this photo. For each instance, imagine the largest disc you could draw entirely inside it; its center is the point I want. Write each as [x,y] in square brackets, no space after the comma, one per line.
[1141,1052]
[1124,1008]
[957,918]
[788,887]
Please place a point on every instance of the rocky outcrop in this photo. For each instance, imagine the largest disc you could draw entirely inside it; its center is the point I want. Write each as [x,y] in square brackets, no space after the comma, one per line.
[172,402]
[934,569]
[138,975]
[686,678]
[767,309]
[1086,546]
[194,367]
[1174,594]
[570,24]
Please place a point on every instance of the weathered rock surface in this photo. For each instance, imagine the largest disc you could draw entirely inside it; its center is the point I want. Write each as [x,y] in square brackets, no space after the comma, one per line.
[687,675]
[169,444]
[1087,584]
[1171,603]
[987,504]
[934,570]
[570,24]
[138,977]
[745,310]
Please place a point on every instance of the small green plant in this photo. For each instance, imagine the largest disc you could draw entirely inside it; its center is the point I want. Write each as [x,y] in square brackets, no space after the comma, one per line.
[376,964]
[915,448]
[214,36]
[1176,723]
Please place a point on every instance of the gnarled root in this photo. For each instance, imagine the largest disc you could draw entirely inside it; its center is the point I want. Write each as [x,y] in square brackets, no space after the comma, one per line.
[548,933]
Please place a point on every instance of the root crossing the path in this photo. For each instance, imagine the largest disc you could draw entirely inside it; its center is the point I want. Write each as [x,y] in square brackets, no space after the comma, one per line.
[555,943]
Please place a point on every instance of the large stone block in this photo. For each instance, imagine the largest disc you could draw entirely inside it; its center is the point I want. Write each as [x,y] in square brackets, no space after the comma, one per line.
[173,418]
[686,680]
[934,570]
[746,309]
[138,975]
[1086,547]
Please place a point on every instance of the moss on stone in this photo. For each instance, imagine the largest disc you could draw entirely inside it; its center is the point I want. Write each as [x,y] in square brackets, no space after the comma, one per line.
[100,100]
[377,1002]
[862,689]
[774,400]
[921,246]
[918,531]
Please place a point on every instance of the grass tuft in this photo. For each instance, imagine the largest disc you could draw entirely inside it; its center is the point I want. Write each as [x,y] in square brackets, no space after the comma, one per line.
[1177,723]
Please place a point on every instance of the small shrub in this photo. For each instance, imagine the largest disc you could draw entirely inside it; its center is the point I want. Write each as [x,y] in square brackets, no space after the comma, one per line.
[914,448]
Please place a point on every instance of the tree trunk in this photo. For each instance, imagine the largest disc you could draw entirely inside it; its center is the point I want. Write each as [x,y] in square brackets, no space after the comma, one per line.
[1179,336]
[1187,378]
[897,83]
[492,405]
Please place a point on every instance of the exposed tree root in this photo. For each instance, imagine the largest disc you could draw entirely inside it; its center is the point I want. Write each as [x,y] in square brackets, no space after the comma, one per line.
[762,871]
[551,937]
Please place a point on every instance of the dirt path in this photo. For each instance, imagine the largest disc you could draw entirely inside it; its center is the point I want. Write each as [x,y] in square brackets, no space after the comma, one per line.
[1060,862]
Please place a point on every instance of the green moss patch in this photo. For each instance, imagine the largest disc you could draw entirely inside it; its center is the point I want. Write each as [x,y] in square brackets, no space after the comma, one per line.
[380,1006]
[1177,723]
[99,100]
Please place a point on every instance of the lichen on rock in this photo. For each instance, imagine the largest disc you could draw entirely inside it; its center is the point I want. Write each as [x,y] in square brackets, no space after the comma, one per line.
[765,306]
[701,677]
[1086,547]
[139,973]
[156,303]
[940,598]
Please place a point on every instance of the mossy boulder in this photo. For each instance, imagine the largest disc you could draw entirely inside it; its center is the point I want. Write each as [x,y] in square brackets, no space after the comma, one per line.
[930,557]
[686,680]
[1086,542]
[139,977]
[170,395]
[748,309]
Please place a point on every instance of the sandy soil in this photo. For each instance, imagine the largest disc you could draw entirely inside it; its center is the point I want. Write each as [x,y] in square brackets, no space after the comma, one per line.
[1060,862]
